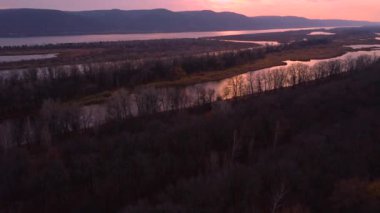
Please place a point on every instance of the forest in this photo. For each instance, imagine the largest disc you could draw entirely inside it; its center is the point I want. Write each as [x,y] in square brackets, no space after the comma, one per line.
[303,142]
[193,125]
[26,90]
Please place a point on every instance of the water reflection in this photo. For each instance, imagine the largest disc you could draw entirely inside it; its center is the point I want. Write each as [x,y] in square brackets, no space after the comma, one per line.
[363,46]
[320,33]
[16,58]
[262,43]
[166,99]
[141,101]
[219,86]
[43,72]
[130,37]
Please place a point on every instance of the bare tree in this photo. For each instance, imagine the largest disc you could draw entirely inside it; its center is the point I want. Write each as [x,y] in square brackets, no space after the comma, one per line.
[319,71]
[278,196]
[277,132]
[59,118]
[349,64]
[236,85]
[292,75]
[303,73]
[176,98]
[147,101]
[236,147]
[226,92]
[364,61]
[297,73]
[210,96]
[119,105]
[250,82]
[200,93]
[31,75]
[334,67]
[29,132]
[6,139]
[267,81]
[259,83]
[277,78]
[86,117]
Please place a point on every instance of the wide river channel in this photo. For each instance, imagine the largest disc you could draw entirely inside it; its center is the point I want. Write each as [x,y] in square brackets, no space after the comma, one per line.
[30,41]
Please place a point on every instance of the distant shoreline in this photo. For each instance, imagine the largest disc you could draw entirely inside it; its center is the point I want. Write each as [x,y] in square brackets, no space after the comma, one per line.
[96,38]
[10,36]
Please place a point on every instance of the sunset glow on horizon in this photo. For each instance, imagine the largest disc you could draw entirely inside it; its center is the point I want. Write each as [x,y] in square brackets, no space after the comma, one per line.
[320,9]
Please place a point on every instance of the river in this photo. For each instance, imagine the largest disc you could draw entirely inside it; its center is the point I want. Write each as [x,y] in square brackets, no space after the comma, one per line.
[17,58]
[30,41]
[95,115]
[319,33]
[98,112]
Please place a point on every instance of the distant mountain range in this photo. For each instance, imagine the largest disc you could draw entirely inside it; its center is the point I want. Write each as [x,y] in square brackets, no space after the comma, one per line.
[40,22]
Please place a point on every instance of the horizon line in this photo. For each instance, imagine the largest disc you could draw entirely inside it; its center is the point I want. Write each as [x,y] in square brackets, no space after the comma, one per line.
[179,11]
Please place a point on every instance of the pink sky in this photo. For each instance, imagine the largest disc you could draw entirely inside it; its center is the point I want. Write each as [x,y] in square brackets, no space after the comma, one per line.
[323,9]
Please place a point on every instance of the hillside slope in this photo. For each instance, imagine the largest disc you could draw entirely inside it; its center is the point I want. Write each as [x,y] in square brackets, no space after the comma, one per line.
[39,22]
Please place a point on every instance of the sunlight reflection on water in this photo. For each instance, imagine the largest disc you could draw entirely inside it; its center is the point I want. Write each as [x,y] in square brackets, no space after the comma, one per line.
[131,37]
[263,43]
[320,33]
[363,46]
[219,86]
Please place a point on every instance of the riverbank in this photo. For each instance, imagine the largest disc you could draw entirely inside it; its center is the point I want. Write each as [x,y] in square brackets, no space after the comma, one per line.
[308,135]
[269,60]
[101,80]
[337,46]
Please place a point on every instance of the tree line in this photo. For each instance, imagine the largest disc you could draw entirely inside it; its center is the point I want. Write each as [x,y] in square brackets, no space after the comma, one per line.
[56,119]
[22,91]
[309,148]
[26,90]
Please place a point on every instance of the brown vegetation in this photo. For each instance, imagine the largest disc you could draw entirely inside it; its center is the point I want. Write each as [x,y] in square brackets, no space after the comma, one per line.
[311,148]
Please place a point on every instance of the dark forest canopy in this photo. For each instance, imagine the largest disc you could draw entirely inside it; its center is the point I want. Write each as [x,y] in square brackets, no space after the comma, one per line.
[124,129]
[310,148]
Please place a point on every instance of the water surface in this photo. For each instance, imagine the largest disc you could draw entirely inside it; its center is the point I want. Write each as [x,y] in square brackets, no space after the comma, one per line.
[320,33]
[94,115]
[130,37]
[363,46]
[219,86]
[262,43]
[16,58]
[97,113]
